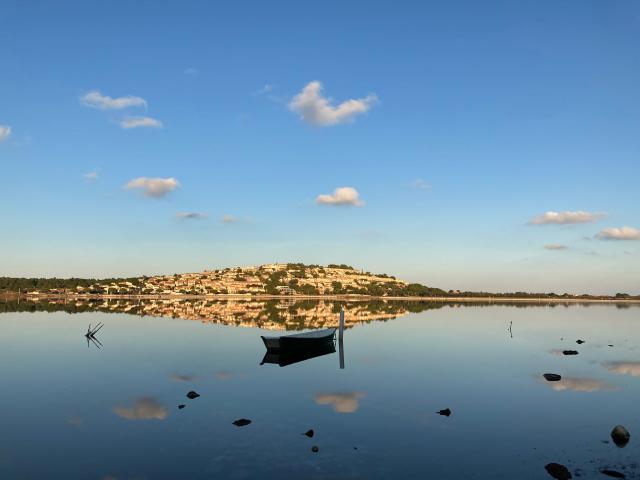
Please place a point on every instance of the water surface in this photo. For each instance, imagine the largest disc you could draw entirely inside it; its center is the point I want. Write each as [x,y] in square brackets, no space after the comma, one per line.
[69,409]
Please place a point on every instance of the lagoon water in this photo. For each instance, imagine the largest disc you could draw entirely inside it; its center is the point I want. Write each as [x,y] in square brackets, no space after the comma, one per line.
[69,409]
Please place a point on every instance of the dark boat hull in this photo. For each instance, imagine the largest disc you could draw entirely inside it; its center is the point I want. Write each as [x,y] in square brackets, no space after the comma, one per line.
[300,341]
[284,357]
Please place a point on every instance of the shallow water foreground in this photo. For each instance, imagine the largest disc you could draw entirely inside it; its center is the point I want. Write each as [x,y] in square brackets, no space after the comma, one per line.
[69,409]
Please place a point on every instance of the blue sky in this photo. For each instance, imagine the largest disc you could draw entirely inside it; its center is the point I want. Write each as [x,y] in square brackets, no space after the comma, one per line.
[467,121]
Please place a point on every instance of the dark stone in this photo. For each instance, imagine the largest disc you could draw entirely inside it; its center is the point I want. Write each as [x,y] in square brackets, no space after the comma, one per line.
[569,352]
[242,422]
[191,395]
[315,449]
[620,436]
[579,342]
[612,473]
[557,471]
[552,377]
[181,406]
[611,345]
[309,433]
[446,412]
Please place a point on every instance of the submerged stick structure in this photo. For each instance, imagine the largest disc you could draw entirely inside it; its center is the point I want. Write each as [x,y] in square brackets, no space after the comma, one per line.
[91,334]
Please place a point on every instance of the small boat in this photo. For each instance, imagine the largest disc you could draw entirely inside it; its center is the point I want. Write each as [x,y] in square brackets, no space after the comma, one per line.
[300,340]
[289,356]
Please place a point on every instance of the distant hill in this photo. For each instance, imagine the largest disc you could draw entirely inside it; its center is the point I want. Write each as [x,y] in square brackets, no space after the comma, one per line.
[272,279]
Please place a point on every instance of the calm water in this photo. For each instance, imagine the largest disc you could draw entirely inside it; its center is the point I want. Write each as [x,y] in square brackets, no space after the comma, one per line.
[71,410]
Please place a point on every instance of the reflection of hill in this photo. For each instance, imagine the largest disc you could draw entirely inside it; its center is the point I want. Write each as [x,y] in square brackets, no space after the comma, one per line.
[270,314]
[275,314]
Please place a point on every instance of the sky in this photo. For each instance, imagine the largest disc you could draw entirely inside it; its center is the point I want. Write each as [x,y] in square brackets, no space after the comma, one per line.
[465,145]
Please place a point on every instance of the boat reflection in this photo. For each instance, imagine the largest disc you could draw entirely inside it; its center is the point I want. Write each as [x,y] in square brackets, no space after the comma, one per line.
[284,357]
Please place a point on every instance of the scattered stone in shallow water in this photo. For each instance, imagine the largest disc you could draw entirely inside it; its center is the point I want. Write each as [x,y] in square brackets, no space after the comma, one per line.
[569,352]
[181,406]
[620,436]
[191,395]
[557,471]
[309,433]
[315,449]
[446,412]
[579,342]
[611,345]
[612,473]
[552,377]
[242,422]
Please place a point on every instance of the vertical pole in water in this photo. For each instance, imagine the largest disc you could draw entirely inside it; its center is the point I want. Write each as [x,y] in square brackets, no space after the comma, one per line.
[340,337]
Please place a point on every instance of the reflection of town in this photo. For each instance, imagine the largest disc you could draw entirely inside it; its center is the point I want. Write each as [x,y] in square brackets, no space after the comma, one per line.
[274,314]
[268,314]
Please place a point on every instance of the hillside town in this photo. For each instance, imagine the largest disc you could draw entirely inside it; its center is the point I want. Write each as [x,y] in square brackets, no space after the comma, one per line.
[271,279]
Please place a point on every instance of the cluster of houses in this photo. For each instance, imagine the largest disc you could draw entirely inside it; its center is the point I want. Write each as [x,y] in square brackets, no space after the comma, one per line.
[271,279]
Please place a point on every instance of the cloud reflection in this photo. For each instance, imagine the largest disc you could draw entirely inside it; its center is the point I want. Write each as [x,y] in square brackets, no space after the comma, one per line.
[223,375]
[342,402]
[182,377]
[75,421]
[576,384]
[623,368]
[144,408]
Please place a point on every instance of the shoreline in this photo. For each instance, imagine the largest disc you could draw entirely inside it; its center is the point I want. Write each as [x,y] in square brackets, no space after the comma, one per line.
[353,298]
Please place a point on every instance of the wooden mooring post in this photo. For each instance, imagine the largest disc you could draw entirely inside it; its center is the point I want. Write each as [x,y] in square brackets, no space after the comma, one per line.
[340,339]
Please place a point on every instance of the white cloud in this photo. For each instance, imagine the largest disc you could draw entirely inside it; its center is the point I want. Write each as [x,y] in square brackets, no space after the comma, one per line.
[566,218]
[137,122]
[153,187]
[317,110]
[5,131]
[624,233]
[191,71]
[265,89]
[191,216]
[229,219]
[341,197]
[95,99]
[420,184]
[91,176]
[555,246]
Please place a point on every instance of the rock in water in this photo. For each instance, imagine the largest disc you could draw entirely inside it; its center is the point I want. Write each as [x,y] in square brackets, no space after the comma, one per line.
[242,422]
[309,433]
[552,377]
[612,473]
[620,436]
[579,342]
[181,406]
[315,449]
[446,412]
[191,395]
[569,352]
[557,471]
